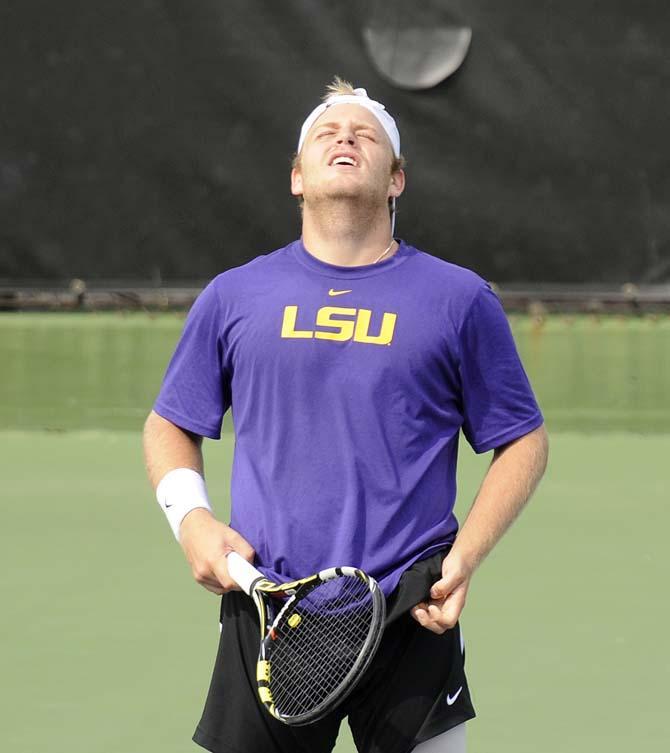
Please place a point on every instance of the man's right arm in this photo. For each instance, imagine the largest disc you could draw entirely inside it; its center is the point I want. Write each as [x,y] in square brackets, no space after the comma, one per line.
[204,539]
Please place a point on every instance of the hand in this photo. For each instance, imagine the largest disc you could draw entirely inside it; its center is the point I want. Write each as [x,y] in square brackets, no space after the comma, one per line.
[447,596]
[206,541]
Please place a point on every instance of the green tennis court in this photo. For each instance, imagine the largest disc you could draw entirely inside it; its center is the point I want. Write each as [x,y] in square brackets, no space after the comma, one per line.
[108,644]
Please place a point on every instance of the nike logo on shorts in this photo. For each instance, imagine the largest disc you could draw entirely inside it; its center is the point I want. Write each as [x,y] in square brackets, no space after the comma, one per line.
[451,699]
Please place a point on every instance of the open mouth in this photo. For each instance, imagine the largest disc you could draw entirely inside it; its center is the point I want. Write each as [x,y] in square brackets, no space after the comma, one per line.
[343,160]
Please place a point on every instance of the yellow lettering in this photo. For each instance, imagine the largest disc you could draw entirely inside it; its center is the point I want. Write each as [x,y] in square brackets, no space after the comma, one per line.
[324,318]
[288,325]
[361,335]
[344,323]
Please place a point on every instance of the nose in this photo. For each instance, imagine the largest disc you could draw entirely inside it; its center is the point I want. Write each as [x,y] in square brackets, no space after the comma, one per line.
[346,135]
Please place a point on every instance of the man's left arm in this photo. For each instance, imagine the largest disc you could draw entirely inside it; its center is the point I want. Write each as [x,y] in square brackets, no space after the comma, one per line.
[511,479]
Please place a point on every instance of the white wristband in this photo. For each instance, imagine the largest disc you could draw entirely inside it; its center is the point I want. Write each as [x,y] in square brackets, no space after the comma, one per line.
[180,491]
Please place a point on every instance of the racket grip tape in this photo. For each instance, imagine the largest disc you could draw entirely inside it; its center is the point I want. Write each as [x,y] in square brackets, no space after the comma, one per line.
[244,574]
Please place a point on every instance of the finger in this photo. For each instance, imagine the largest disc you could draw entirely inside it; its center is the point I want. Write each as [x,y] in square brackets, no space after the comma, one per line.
[202,573]
[443,587]
[435,611]
[436,622]
[205,575]
[447,612]
[419,613]
[453,607]
[435,627]
[213,588]
[426,618]
[210,583]
[429,615]
[443,614]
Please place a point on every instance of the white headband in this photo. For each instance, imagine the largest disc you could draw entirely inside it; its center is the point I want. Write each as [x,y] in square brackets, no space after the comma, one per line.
[359,97]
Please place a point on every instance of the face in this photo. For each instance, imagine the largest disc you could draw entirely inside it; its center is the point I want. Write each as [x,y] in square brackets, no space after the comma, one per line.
[346,154]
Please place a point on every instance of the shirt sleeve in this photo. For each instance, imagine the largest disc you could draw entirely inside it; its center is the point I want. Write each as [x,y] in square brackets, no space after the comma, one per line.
[497,400]
[195,392]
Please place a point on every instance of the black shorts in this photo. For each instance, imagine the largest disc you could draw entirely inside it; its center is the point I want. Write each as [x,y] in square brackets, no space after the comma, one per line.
[414,689]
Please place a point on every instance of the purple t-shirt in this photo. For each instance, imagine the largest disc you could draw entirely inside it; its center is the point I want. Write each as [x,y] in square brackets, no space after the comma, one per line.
[348,387]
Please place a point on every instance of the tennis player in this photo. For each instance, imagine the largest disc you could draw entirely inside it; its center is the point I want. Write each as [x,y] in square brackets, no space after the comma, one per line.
[351,361]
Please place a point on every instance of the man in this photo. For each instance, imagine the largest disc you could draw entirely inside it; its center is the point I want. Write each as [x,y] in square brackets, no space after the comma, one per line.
[352,361]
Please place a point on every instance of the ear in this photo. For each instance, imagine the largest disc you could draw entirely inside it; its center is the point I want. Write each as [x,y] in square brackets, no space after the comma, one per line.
[296,182]
[396,184]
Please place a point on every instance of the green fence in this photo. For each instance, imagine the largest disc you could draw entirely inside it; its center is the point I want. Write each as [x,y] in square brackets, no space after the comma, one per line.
[102,371]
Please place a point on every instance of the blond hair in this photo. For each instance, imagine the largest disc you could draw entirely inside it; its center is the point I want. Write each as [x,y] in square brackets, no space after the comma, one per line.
[338,87]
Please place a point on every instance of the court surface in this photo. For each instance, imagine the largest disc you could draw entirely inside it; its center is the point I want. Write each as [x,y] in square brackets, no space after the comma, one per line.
[107,643]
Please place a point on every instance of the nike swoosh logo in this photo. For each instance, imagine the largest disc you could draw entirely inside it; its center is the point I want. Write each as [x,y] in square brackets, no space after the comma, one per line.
[451,699]
[338,292]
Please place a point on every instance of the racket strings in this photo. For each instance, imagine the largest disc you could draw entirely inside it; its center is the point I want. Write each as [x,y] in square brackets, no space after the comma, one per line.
[310,680]
[319,642]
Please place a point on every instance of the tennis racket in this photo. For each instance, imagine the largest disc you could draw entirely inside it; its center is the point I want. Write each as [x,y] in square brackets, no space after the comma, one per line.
[318,635]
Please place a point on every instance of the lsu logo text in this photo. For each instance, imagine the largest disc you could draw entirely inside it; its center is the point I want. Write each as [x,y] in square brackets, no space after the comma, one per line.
[342,324]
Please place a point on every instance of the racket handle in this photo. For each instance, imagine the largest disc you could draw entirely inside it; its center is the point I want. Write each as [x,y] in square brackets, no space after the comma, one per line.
[242,572]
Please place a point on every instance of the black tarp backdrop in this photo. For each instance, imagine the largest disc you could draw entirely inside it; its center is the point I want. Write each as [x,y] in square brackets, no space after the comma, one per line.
[151,140]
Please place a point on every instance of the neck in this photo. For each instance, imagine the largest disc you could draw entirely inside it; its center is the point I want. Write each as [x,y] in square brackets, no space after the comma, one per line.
[338,234]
